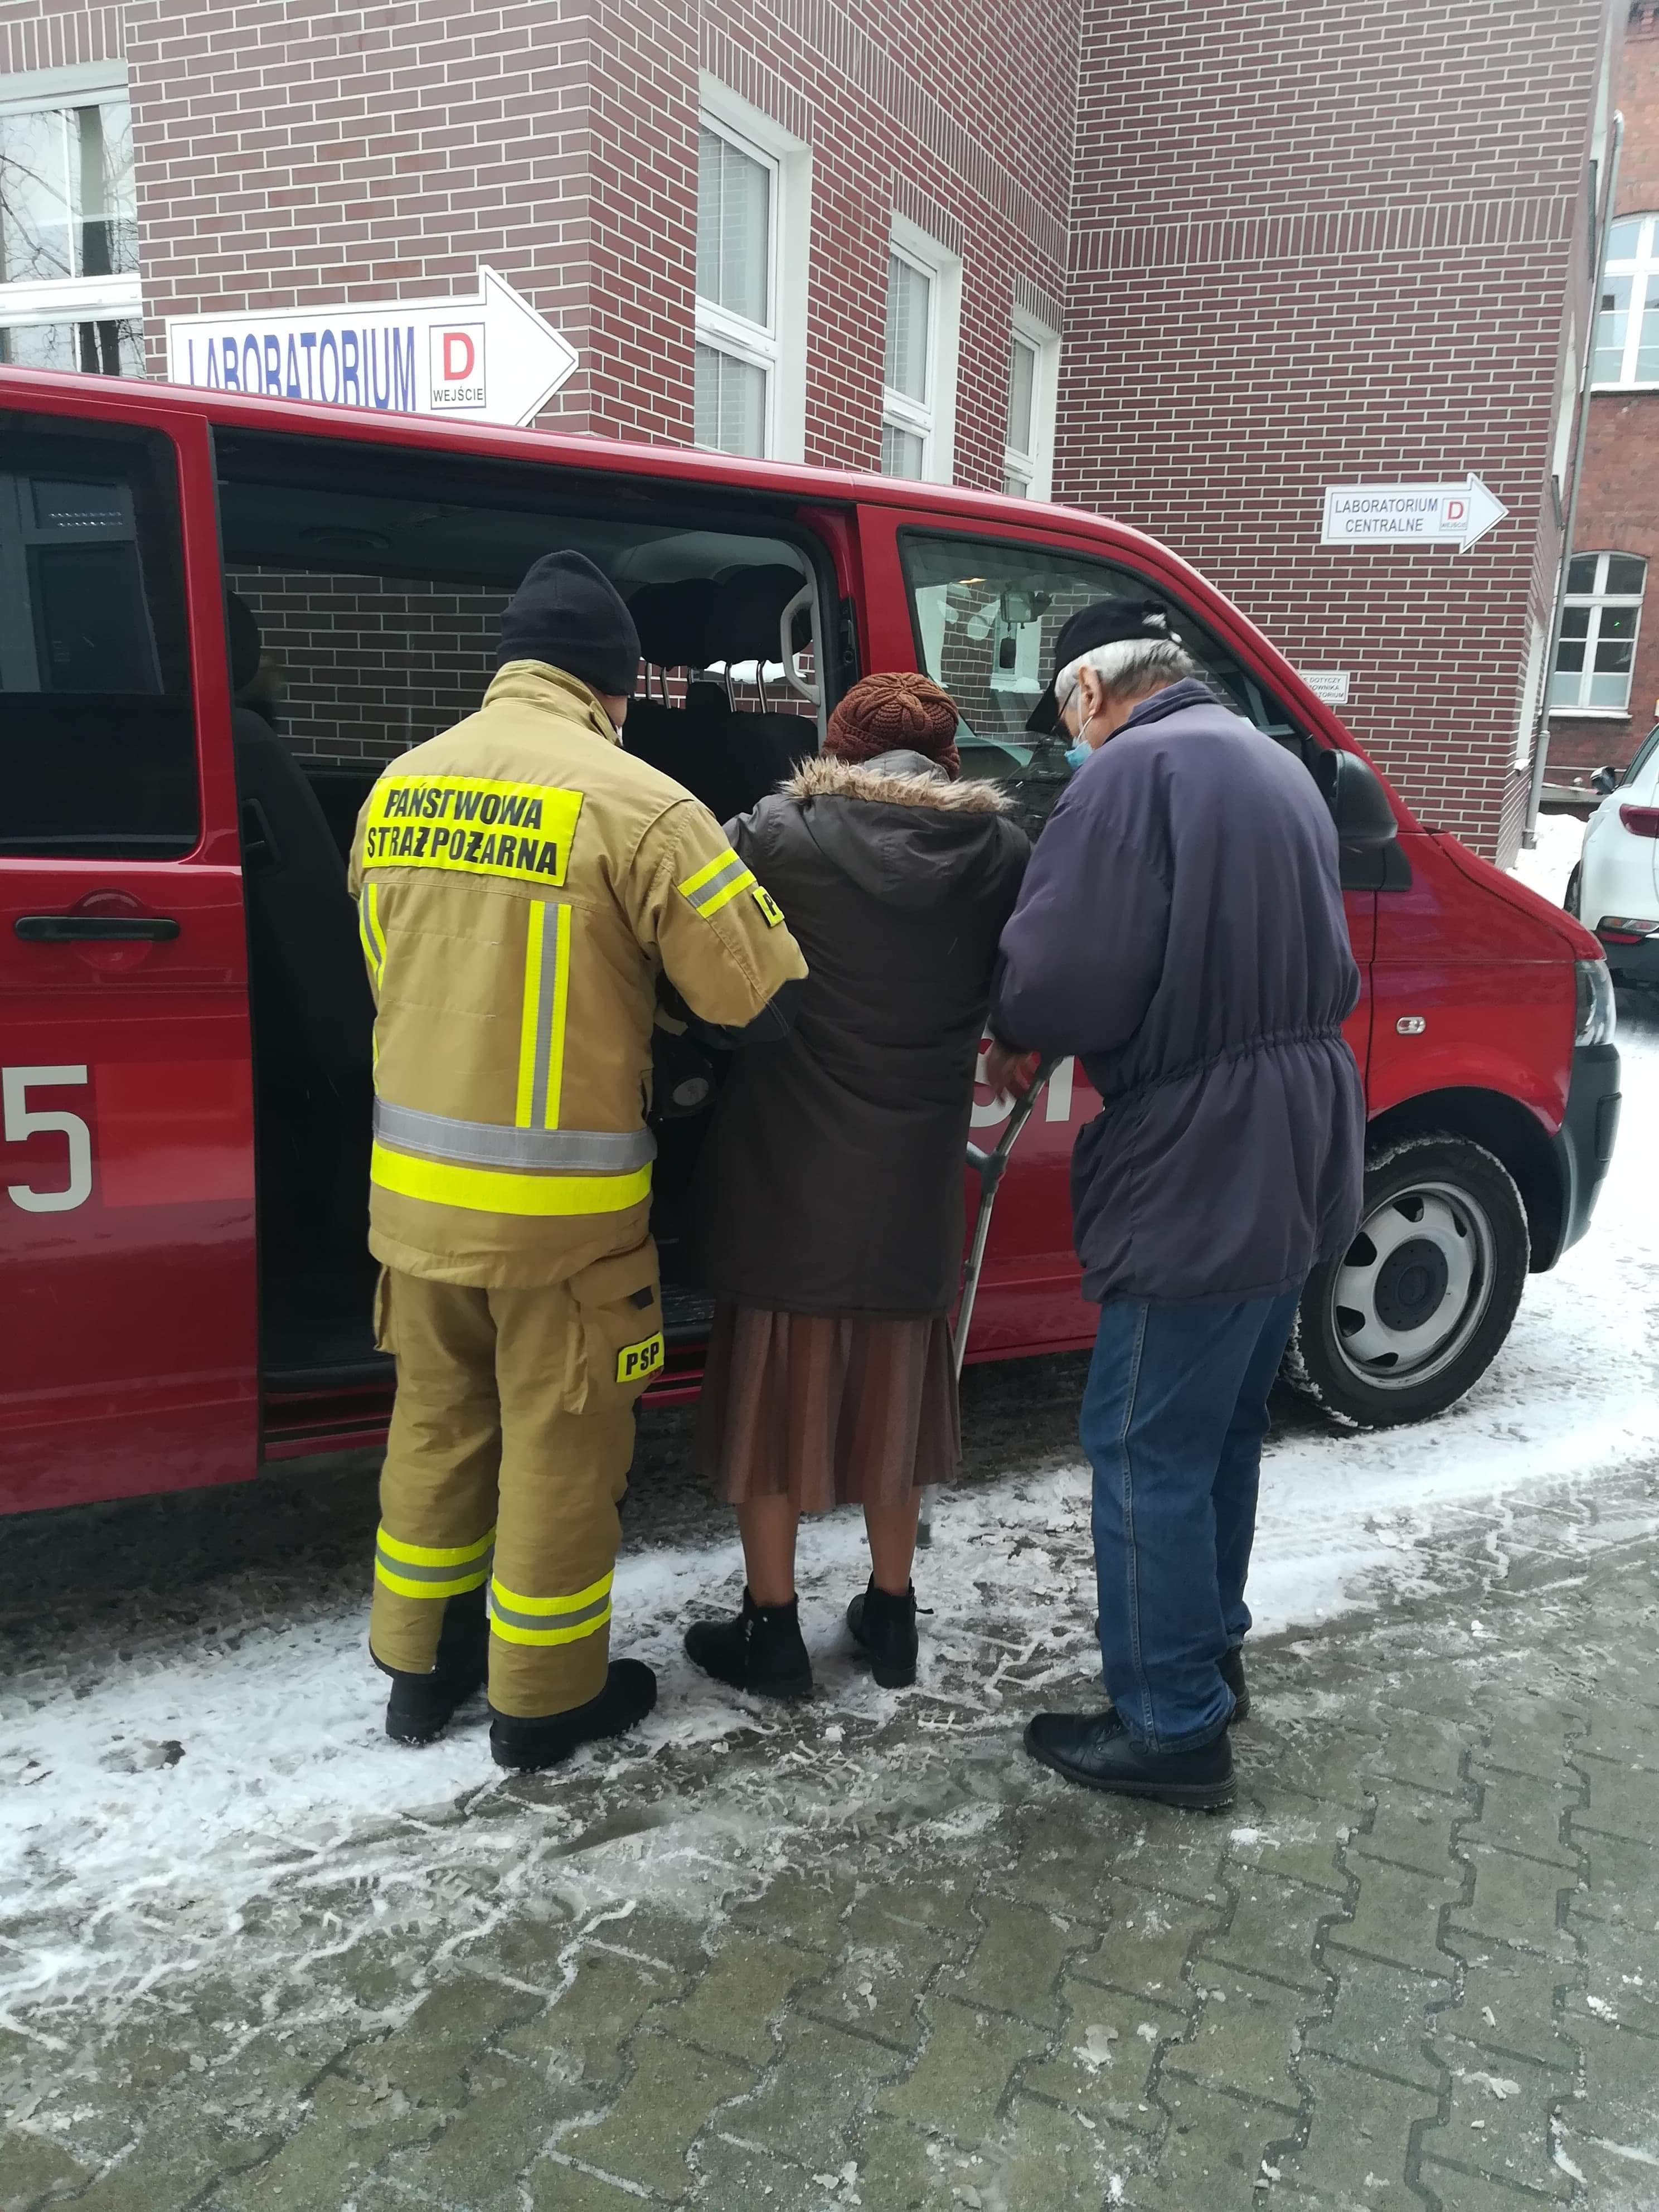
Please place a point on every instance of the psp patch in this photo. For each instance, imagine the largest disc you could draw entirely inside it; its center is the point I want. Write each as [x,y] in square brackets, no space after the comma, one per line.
[769,906]
[635,1361]
[472,826]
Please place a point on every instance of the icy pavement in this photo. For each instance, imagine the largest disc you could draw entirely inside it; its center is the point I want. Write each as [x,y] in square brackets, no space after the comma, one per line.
[862,1951]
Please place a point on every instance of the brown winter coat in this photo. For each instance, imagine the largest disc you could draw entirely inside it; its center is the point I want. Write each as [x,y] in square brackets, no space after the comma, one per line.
[832,1182]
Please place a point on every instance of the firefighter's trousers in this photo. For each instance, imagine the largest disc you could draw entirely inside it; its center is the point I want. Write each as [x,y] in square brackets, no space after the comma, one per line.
[508,1457]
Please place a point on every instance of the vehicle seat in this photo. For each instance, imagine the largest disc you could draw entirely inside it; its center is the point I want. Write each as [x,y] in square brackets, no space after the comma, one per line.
[314,1015]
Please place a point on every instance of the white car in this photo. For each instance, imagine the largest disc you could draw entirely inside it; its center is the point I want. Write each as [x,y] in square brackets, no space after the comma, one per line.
[1615,887]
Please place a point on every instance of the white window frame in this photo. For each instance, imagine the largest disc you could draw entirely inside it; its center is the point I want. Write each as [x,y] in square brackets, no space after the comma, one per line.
[779,350]
[934,421]
[1037,467]
[1597,598]
[67,299]
[1642,269]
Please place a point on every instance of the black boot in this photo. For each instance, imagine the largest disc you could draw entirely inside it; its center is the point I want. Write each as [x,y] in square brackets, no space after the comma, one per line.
[421,1706]
[1232,1674]
[629,1692]
[1097,1750]
[761,1650]
[885,1627]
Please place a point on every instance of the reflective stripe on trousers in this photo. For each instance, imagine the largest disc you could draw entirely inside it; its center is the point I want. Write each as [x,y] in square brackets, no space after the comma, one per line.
[520,1619]
[431,1570]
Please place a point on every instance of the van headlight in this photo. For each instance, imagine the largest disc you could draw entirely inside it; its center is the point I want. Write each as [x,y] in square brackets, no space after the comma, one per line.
[1598,1017]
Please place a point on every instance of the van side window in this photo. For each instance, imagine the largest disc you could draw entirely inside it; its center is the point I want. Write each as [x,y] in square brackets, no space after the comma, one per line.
[986,617]
[98,728]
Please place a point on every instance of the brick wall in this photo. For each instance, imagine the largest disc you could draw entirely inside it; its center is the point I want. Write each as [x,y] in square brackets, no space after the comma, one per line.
[1368,233]
[1619,502]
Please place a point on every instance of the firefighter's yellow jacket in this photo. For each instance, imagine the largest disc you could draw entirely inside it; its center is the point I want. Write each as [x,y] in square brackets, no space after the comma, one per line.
[521,881]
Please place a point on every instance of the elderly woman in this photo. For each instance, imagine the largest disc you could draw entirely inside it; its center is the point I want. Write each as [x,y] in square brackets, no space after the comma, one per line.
[828,1208]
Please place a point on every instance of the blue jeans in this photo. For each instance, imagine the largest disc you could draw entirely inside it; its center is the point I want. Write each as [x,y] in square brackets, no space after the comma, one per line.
[1173,1419]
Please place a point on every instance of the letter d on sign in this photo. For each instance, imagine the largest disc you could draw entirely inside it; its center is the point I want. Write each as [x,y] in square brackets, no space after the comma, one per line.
[457,355]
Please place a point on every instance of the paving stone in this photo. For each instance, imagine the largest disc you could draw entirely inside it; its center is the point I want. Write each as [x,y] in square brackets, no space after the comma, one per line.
[1295,1838]
[1498,2121]
[808,2106]
[1411,1828]
[581,2037]
[1621,1970]
[423,2059]
[874,1989]
[1046,2160]
[729,2173]
[1273,1928]
[1248,2032]
[1017,1963]
[1618,1728]
[1396,1918]
[174,2162]
[1522,1812]
[550,2185]
[731,2004]
[804,1909]
[1618,2176]
[1105,2053]
[645,2135]
[1144,1949]
[1461,2191]
[499,2131]
[1515,1900]
[1520,1992]
[1618,1872]
[346,2133]
[30,2166]
[964,2069]
[1358,2140]
[1059,1868]
[904,2169]
[1327,1765]
[1426,1751]
[1621,2070]
[1171,1853]
[1379,2018]
[1531,1735]
[1624,1802]
[1211,2155]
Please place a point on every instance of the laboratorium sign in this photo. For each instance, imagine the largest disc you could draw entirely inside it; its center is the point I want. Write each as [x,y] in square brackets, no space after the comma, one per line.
[1410,514]
[487,358]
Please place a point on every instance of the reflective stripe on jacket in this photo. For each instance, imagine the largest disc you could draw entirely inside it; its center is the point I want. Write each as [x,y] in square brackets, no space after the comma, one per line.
[520,882]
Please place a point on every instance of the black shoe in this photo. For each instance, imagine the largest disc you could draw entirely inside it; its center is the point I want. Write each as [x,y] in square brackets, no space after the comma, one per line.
[886,1627]
[759,1651]
[629,1692]
[1097,1750]
[1232,1674]
[422,1706]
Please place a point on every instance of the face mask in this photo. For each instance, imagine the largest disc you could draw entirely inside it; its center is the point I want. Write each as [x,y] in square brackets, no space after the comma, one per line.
[1077,754]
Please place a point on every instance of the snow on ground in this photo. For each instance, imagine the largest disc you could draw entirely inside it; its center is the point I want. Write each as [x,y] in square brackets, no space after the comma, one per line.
[146,1806]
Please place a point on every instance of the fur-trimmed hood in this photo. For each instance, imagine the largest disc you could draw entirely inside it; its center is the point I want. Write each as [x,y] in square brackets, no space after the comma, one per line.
[895,778]
[911,837]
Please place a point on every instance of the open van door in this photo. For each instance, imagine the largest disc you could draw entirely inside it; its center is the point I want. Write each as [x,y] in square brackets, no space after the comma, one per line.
[127,1261]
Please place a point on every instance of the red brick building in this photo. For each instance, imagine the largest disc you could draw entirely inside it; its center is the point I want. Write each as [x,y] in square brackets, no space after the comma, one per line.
[1190,266]
[1604,690]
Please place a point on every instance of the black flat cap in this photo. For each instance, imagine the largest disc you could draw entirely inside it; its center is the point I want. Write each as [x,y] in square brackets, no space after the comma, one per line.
[1104,621]
[569,614]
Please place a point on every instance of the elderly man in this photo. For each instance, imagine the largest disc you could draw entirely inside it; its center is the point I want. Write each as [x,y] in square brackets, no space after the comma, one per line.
[1180,929]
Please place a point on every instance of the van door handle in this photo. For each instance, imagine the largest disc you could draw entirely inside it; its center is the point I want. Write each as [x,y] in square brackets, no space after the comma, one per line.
[80,929]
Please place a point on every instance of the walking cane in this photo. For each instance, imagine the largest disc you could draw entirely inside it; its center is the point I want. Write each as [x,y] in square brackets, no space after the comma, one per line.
[989,1166]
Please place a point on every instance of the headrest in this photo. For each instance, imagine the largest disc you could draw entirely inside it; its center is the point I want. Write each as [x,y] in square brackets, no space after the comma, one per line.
[677,622]
[752,601]
[245,647]
[708,702]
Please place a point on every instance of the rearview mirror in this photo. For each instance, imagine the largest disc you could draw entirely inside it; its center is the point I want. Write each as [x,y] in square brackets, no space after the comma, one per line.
[1605,779]
[1359,805]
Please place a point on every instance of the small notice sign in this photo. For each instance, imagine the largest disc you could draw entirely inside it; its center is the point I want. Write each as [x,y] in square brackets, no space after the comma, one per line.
[1330,685]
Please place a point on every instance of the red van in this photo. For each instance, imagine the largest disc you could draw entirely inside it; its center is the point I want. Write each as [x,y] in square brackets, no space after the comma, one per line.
[220,614]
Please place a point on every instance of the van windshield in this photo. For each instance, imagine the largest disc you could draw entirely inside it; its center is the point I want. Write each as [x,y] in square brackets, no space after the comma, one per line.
[987,615]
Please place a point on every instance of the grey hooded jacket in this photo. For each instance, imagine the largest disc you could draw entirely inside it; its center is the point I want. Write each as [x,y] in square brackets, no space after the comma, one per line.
[1180,929]
[831,1179]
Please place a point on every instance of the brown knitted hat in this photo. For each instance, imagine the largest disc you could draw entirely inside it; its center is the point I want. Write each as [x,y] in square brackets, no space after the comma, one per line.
[897,711]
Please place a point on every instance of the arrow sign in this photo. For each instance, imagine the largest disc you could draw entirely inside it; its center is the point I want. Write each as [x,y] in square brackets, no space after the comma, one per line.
[1410,514]
[491,358]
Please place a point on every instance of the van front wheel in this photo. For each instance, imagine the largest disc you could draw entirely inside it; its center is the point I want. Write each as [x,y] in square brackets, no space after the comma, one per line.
[1411,1315]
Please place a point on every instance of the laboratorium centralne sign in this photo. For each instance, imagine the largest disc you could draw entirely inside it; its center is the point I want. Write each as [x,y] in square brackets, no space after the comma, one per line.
[1410,514]
[488,358]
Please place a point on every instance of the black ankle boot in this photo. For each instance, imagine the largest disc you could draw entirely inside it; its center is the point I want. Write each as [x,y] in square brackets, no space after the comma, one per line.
[885,1627]
[1232,1674]
[629,1692]
[761,1650]
[422,1706]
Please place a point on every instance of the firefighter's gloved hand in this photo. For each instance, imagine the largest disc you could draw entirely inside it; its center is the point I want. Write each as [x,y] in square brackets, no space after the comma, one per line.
[682,1072]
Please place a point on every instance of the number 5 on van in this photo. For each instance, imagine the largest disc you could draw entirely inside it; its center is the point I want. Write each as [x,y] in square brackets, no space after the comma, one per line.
[23,1122]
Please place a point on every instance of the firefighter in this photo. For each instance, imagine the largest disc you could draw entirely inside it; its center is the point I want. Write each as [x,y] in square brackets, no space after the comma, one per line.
[522,883]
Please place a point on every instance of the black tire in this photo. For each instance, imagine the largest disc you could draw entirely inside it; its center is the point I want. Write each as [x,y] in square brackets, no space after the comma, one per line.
[1570,896]
[1412,1315]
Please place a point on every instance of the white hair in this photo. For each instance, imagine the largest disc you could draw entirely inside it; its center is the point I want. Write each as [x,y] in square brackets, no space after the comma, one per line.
[1129,666]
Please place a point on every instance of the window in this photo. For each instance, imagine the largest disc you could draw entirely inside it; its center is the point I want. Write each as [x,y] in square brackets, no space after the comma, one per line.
[68,243]
[1599,623]
[918,404]
[100,740]
[1028,458]
[1628,325]
[986,617]
[737,294]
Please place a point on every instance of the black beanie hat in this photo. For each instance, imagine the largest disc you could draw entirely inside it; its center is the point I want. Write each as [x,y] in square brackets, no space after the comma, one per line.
[1106,622]
[569,614]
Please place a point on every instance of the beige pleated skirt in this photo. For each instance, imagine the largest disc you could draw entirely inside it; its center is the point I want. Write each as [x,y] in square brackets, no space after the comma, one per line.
[827,1411]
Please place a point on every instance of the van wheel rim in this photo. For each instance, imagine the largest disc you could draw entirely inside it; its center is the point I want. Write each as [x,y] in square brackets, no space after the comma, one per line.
[1414,1286]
